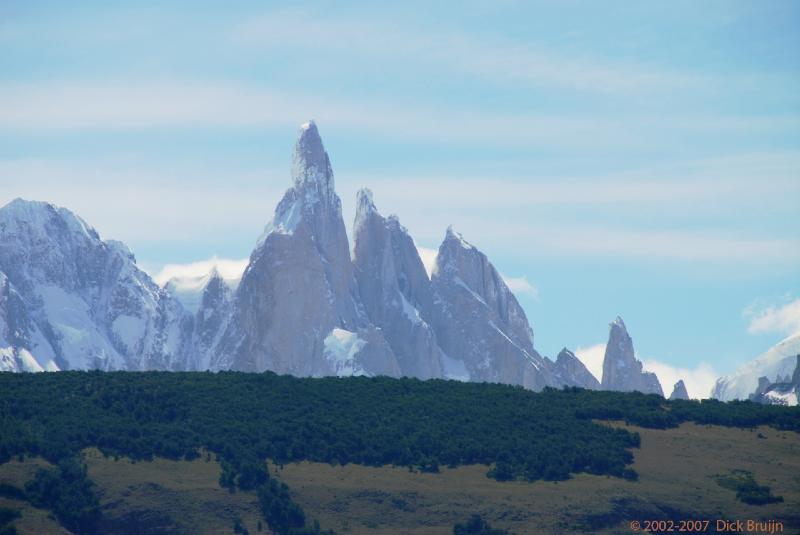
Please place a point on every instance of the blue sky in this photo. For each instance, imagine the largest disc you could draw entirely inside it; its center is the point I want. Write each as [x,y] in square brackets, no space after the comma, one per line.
[632,158]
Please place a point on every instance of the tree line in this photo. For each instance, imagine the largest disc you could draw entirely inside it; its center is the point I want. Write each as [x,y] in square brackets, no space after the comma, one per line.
[247,418]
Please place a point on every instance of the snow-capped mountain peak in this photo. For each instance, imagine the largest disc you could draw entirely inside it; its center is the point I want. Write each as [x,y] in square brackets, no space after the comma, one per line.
[775,363]
[77,302]
[310,162]
[312,200]
[34,218]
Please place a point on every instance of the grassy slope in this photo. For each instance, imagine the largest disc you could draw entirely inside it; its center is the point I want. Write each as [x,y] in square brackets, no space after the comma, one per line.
[169,496]
[676,469]
[33,521]
[161,496]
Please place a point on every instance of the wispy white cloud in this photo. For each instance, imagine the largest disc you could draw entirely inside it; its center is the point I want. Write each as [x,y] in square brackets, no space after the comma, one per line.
[428,257]
[521,286]
[112,195]
[130,104]
[700,245]
[229,269]
[127,105]
[784,319]
[699,248]
[732,180]
[489,58]
[592,357]
[135,202]
[133,105]
[518,285]
[698,380]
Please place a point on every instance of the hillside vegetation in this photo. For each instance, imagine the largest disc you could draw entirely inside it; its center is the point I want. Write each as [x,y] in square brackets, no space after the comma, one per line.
[245,419]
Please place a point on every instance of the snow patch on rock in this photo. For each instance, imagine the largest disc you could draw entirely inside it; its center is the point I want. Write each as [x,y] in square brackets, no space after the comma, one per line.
[341,348]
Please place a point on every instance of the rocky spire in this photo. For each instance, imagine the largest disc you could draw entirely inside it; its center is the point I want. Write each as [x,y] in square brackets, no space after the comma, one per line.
[365,207]
[480,326]
[298,297]
[394,288]
[621,370]
[679,391]
[211,318]
[364,202]
[568,370]
[310,162]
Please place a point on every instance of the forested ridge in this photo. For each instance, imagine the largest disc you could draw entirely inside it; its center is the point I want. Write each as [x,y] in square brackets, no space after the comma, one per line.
[247,418]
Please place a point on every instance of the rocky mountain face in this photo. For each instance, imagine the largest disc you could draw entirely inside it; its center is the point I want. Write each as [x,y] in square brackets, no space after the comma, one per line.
[69,300]
[304,304]
[481,327]
[297,309]
[776,364]
[679,391]
[621,369]
[395,289]
[211,318]
[568,370]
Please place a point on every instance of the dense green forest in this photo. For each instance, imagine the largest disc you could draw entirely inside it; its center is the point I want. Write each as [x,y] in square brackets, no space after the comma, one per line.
[247,418]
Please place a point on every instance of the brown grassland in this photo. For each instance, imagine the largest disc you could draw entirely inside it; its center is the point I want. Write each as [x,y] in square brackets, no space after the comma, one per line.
[677,469]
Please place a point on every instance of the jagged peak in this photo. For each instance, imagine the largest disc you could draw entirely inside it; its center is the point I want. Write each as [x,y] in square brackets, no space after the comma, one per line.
[310,162]
[37,214]
[215,282]
[26,210]
[565,354]
[618,323]
[679,391]
[121,248]
[451,235]
[313,185]
[365,207]
[393,222]
[365,203]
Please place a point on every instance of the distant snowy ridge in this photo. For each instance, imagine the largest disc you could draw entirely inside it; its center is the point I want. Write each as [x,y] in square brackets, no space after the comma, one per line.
[775,364]
[73,301]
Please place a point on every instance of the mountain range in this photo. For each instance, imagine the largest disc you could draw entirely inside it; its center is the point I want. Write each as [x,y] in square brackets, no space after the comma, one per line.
[306,304]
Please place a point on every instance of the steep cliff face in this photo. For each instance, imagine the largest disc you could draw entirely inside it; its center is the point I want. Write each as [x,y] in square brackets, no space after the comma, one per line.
[621,370]
[568,370]
[212,318]
[395,289]
[299,288]
[73,301]
[479,324]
